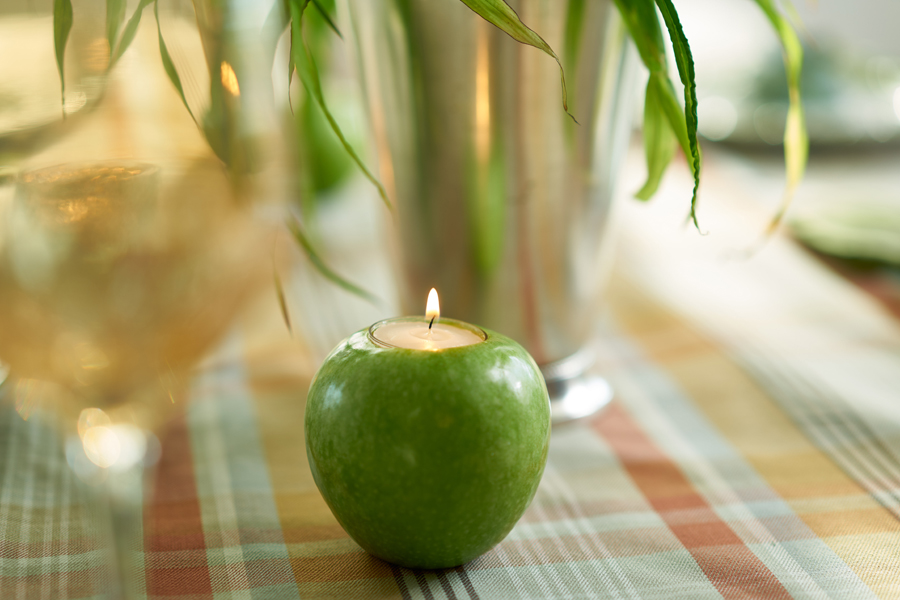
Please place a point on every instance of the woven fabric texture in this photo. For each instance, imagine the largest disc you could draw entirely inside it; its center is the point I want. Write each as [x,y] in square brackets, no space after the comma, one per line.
[695,483]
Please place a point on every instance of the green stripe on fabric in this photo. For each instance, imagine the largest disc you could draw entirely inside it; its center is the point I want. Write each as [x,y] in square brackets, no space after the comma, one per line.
[30,567]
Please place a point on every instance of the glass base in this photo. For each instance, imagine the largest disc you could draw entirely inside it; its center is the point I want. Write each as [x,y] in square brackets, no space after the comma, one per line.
[575,393]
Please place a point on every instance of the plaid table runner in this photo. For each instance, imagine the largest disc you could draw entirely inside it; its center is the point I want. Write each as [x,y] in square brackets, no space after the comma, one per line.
[695,483]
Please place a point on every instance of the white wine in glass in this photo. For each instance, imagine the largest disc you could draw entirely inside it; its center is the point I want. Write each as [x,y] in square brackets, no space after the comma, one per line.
[129,243]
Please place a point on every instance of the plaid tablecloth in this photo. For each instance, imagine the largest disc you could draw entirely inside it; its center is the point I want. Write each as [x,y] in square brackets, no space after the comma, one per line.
[699,481]
[752,450]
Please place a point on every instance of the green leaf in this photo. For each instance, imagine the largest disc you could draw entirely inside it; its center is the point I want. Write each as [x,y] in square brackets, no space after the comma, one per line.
[499,14]
[574,29]
[291,69]
[324,12]
[796,141]
[168,65]
[282,302]
[309,76]
[668,102]
[659,139]
[685,63]
[115,16]
[62,25]
[324,269]
[643,24]
[129,32]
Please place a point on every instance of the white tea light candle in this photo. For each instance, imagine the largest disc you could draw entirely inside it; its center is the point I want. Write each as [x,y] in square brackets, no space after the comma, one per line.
[414,334]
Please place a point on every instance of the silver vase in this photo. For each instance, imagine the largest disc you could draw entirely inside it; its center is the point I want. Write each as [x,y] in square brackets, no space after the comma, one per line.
[503,200]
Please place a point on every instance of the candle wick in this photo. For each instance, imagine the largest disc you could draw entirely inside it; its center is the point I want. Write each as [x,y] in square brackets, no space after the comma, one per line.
[432,322]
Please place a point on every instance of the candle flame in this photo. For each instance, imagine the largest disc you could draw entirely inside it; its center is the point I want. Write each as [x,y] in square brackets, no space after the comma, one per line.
[433,306]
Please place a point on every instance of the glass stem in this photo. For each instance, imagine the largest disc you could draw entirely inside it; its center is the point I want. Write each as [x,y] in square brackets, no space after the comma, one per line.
[125,495]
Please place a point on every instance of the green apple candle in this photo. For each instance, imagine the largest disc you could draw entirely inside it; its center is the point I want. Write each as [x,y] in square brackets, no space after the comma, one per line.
[427,438]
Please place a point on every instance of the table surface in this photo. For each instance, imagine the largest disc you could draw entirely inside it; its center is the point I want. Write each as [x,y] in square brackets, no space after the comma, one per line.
[735,461]
[752,449]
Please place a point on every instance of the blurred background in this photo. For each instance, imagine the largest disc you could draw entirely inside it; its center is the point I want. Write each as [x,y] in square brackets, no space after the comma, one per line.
[846,213]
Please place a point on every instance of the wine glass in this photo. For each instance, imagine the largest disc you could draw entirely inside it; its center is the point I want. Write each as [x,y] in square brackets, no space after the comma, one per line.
[129,241]
[34,107]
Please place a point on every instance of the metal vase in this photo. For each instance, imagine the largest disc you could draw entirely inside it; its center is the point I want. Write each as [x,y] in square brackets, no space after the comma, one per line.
[503,200]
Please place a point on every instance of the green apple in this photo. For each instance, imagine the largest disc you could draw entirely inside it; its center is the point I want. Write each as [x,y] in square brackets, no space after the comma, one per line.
[428,458]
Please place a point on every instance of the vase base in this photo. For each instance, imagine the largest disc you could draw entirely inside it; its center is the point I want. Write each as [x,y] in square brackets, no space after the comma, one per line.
[577,398]
[575,393]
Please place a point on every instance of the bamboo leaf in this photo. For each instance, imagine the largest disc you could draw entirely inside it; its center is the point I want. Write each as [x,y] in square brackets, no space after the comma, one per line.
[574,29]
[324,12]
[115,16]
[685,63]
[298,233]
[309,76]
[62,25]
[668,104]
[643,26]
[659,139]
[282,302]
[796,140]
[129,32]
[168,65]
[641,19]
[291,69]
[502,16]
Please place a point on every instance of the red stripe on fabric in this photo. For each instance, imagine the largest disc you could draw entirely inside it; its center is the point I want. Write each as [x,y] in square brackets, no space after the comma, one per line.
[739,573]
[698,535]
[179,582]
[172,521]
[728,563]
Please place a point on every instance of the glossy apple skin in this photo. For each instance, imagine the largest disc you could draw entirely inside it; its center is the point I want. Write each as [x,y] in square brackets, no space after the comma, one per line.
[428,459]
